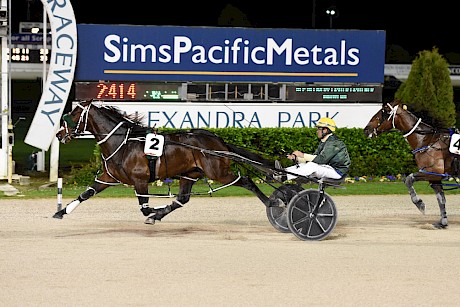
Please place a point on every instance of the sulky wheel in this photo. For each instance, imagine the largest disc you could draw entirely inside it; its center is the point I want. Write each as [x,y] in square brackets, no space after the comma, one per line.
[307,223]
[277,215]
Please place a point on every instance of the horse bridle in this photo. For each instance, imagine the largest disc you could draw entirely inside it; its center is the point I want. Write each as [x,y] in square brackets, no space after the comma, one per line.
[391,116]
[72,128]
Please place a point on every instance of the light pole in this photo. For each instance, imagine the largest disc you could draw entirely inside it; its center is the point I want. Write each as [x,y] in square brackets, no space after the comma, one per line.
[332,12]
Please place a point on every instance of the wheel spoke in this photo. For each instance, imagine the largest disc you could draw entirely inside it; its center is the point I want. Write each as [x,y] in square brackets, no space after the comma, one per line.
[308,202]
[307,213]
[307,229]
[281,219]
[320,225]
[300,221]
[325,214]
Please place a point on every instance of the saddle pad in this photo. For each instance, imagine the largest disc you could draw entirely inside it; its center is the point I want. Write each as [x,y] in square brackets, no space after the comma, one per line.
[154,144]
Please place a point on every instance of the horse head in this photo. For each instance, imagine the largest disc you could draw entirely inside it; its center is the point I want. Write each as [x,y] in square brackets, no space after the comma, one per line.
[384,119]
[74,123]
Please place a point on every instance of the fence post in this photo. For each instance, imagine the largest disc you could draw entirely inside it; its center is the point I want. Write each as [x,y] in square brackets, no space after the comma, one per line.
[59,194]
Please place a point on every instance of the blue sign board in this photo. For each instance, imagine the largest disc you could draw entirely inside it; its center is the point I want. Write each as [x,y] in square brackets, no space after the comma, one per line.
[29,38]
[173,53]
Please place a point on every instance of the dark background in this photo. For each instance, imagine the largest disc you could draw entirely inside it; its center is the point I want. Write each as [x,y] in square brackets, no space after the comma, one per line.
[413,26]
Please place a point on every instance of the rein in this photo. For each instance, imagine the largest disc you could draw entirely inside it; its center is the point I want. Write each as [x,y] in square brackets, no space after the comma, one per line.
[218,153]
[393,116]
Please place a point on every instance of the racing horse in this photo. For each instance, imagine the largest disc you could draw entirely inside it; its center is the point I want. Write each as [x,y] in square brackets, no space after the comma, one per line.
[430,147]
[187,155]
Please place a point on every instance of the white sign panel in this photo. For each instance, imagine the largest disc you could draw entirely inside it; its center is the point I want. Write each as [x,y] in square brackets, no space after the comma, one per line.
[243,115]
[154,144]
[60,74]
[455,144]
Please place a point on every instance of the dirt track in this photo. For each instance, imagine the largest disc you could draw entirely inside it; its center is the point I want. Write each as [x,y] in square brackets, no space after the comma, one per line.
[224,252]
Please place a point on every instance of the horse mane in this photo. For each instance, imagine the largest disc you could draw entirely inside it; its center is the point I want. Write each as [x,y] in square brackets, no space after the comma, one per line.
[133,121]
[432,124]
[117,114]
[428,120]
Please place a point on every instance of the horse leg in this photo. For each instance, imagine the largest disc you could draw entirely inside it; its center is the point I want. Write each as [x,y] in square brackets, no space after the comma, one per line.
[90,192]
[142,192]
[437,187]
[185,188]
[141,188]
[409,181]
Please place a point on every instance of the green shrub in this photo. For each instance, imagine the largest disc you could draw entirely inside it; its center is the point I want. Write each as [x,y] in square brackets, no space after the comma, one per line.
[389,154]
[84,174]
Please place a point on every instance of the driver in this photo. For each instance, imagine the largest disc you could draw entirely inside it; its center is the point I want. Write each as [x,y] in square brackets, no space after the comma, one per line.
[330,159]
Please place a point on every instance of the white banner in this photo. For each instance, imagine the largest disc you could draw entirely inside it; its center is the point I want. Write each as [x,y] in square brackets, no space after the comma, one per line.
[243,115]
[60,74]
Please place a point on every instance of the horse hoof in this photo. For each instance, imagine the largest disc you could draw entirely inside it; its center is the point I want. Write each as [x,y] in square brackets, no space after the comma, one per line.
[146,211]
[421,206]
[58,215]
[438,225]
[441,224]
[150,221]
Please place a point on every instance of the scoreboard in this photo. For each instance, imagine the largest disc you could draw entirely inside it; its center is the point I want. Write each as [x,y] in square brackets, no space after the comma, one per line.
[127,91]
[335,93]
[157,91]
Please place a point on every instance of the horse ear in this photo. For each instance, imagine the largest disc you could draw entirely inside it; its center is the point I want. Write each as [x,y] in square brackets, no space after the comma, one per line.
[404,107]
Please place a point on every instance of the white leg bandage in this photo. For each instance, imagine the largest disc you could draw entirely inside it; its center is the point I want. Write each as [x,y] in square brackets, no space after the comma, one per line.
[70,207]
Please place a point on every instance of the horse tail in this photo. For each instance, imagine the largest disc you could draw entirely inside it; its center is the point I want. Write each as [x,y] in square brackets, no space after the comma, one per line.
[251,155]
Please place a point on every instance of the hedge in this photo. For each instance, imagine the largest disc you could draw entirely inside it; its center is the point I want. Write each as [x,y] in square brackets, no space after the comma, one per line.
[388,154]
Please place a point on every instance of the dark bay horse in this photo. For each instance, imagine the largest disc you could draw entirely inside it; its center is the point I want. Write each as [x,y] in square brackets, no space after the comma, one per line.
[430,147]
[188,156]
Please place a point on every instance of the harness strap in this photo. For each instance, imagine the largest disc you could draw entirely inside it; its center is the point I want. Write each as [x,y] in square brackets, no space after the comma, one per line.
[107,183]
[107,169]
[392,114]
[190,179]
[111,133]
[211,190]
[121,145]
[432,173]
[152,163]
[413,128]
[169,195]
[420,149]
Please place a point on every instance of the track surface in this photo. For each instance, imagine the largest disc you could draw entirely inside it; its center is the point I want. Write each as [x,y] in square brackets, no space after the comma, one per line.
[222,251]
